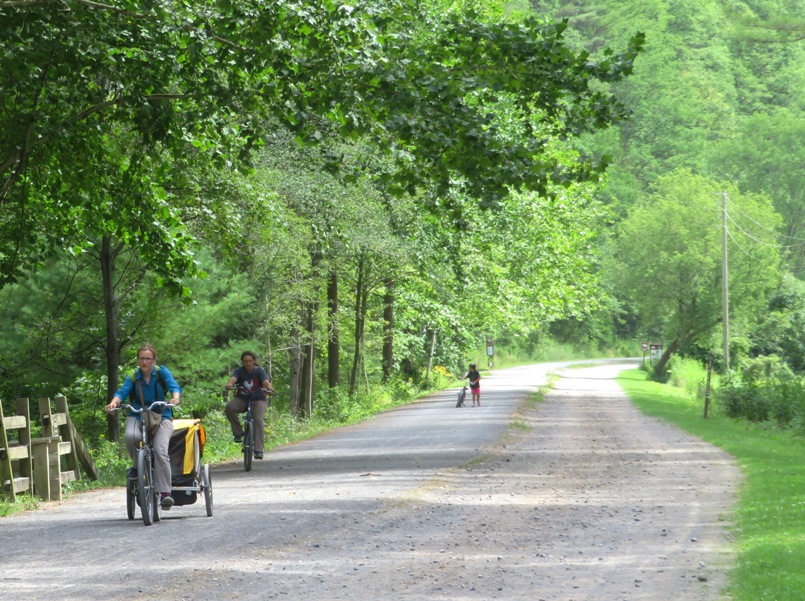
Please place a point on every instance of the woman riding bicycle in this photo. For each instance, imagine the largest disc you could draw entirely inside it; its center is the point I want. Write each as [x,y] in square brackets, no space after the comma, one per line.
[147,386]
[251,382]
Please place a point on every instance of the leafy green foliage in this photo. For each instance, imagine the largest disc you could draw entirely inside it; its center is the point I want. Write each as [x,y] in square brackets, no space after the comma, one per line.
[763,390]
[765,156]
[136,94]
[668,257]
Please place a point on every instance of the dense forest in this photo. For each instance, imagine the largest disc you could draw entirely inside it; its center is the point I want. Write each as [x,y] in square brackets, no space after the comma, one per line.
[364,194]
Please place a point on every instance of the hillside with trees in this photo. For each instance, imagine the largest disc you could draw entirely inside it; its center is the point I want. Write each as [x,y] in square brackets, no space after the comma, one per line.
[716,111]
[363,194]
[338,188]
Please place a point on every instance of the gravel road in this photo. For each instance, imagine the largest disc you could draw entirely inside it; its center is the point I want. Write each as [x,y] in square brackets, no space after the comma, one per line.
[579,499]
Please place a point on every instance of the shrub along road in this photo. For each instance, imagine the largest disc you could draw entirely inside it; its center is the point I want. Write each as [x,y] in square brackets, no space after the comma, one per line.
[579,498]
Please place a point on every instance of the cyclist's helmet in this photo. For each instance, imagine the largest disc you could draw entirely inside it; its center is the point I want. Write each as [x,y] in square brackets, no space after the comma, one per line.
[472,365]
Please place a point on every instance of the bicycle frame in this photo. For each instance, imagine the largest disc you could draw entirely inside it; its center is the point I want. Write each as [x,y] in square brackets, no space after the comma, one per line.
[248,437]
[248,428]
[462,394]
[143,489]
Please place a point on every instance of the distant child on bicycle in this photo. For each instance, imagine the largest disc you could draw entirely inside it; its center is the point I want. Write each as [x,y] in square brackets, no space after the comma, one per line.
[150,383]
[251,381]
[474,376]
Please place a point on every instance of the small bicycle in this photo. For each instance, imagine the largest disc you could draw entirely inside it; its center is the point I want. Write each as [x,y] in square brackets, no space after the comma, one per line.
[462,394]
[141,488]
[248,427]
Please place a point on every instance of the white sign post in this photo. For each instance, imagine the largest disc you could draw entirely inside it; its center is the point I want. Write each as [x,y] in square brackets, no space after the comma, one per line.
[490,350]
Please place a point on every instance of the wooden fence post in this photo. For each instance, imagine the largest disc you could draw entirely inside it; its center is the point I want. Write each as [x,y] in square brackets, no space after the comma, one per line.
[52,424]
[16,453]
[72,447]
[68,432]
[47,468]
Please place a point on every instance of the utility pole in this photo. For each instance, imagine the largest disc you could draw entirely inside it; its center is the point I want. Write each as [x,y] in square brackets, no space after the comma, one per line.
[725,288]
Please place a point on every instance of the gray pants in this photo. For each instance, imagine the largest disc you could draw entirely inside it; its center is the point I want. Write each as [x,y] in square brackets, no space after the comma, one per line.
[237,406]
[162,464]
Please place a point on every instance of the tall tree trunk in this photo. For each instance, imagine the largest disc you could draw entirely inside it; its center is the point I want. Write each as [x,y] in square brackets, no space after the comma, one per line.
[388,329]
[112,347]
[659,369]
[430,357]
[333,350]
[308,321]
[308,362]
[311,377]
[360,316]
[408,365]
[295,368]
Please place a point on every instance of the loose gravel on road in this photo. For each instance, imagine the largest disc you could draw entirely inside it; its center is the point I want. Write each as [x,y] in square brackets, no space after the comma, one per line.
[579,498]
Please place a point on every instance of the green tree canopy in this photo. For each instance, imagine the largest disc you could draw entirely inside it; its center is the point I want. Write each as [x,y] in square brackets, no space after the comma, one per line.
[667,257]
[766,156]
[106,106]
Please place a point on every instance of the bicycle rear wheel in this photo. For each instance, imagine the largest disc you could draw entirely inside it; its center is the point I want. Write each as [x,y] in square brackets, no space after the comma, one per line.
[248,446]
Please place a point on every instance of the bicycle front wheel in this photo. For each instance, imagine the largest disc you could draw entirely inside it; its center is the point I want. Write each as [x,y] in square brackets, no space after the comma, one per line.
[145,486]
[131,498]
[248,446]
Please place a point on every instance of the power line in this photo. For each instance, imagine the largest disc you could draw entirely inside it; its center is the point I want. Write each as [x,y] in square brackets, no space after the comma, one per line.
[762,242]
[751,236]
[735,242]
[766,227]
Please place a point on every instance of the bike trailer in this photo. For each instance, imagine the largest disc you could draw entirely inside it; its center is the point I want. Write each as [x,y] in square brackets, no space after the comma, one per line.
[186,449]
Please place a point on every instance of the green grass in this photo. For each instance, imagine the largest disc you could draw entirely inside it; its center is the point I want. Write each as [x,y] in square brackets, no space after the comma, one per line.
[769,522]
[24,503]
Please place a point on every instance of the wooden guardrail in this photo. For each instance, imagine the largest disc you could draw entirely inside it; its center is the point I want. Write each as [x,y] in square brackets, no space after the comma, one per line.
[43,464]
[71,448]
[16,470]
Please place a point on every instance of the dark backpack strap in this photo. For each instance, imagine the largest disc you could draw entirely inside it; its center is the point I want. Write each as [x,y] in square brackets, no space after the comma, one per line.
[133,378]
[140,388]
[161,380]
[134,384]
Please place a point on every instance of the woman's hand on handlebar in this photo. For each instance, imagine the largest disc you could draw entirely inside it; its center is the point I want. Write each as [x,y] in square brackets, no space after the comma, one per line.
[243,389]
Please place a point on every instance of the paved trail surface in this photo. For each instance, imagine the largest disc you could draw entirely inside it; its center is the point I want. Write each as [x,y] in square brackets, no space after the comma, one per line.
[579,499]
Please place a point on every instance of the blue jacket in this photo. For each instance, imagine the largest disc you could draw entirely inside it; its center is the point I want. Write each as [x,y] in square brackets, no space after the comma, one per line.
[153,391]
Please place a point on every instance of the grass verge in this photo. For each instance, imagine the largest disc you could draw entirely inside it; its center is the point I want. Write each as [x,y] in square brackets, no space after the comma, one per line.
[769,530]
[24,502]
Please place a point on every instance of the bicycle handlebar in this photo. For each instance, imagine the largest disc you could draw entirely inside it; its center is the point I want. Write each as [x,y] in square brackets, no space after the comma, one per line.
[243,389]
[134,409]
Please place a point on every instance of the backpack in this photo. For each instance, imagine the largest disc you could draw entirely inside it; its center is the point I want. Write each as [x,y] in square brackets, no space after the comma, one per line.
[160,379]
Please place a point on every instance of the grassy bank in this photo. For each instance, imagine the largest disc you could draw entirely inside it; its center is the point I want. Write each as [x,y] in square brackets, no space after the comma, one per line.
[769,530]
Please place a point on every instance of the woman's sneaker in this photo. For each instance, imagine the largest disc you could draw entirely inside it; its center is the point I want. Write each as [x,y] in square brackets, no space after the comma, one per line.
[166,502]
